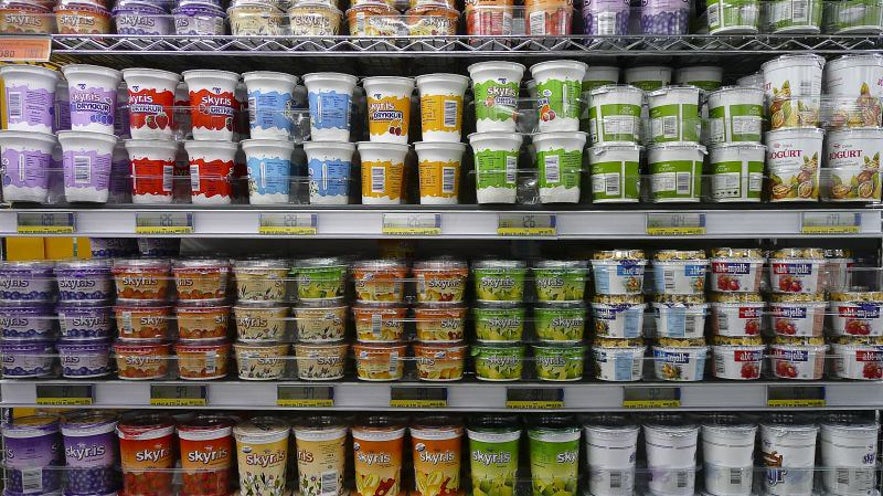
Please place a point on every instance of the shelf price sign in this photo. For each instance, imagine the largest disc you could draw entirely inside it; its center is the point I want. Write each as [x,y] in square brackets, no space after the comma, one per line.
[25,48]
[830,222]
[414,224]
[535,399]
[65,395]
[171,395]
[46,223]
[163,223]
[795,396]
[305,396]
[295,224]
[651,397]
[675,224]
[527,224]
[418,397]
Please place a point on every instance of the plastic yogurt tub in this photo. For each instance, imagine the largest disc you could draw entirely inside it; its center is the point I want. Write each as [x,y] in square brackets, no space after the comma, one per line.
[382,436]
[30,97]
[320,362]
[441,107]
[499,281]
[846,445]
[199,19]
[704,77]
[29,158]
[797,271]
[90,443]
[263,361]
[599,75]
[852,75]
[606,18]
[498,362]
[618,275]
[260,281]
[203,361]
[559,361]
[791,76]
[738,362]
[326,438]
[212,103]
[440,280]
[27,359]
[680,277]
[379,323]
[26,282]
[615,172]
[737,318]
[789,454]
[319,279]
[330,96]
[146,323]
[798,361]
[496,166]
[389,108]
[138,17]
[728,455]
[674,114]
[153,165]
[619,316]
[675,172]
[671,457]
[262,435]
[559,164]
[256,19]
[206,436]
[151,99]
[201,280]
[735,113]
[858,361]
[439,171]
[84,360]
[619,364]
[852,158]
[202,322]
[440,323]
[737,172]
[554,446]
[314,19]
[615,114]
[34,454]
[379,362]
[793,158]
[211,170]
[559,87]
[271,98]
[856,314]
[648,77]
[330,165]
[495,87]
[733,16]
[83,281]
[503,323]
[260,322]
[87,161]
[678,320]
[439,362]
[611,445]
[786,16]
[141,362]
[27,322]
[560,281]
[269,170]
[93,97]
[682,364]
[21,18]
[379,281]
[145,280]
[383,166]
[737,274]
[495,438]
[794,316]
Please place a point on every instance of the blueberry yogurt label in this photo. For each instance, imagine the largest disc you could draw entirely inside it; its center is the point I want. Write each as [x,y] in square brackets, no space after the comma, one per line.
[91,106]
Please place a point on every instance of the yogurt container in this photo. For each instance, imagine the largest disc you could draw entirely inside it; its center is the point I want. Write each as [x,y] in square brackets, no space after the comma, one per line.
[269,170]
[735,114]
[439,362]
[741,363]
[83,281]
[679,276]
[665,18]
[330,98]
[201,280]
[559,88]
[671,457]
[797,270]
[383,165]
[321,362]
[379,323]
[611,450]
[34,454]
[619,364]
[498,362]
[440,323]
[788,452]
[734,316]
[262,455]
[378,438]
[855,314]
[728,456]
[499,280]
[260,281]
[796,316]
[321,321]
[705,77]
[330,165]
[858,361]
[848,447]
[798,361]
[440,280]
[154,432]
[319,279]
[153,167]
[389,108]
[256,19]
[26,282]
[562,281]
[146,323]
[206,450]
[674,114]
[559,163]
[87,158]
[619,272]
[138,17]
[260,322]
[615,172]
[441,107]
[84,360]
[321,456]
[151,98]
[379,362]
[853,161]
[736,271]
[679,320]
[93,97]
[854,85]
[90,451]
[379,281]
[203,360]
[24,18]
[791,76]
[211,169]
[270,102]
[261,361]
[28,322]
[737,172]
[606,18]
[615,114]
[30,97]
[202,322]
[28,156]
[436,444]
[648,77]
[733,16]
[199,19]
[554,454]
[785,16]
[619,316]
[439,171]
[27,359]
[496,166]
[675,172]
[559,362]
[499,322]
[212,103]
[495,87]
[146,280]
[680,364]
[315,19]
[560,323]
[141,362]
[851,18]
[494,445]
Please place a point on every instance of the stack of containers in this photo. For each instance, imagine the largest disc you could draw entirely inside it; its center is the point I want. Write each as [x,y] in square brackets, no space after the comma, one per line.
[203,317]
[34,454]
[440,316]
[379,18]
[737,310]
[260,316]
[380,315]
[560,319]
[143,316]
[680,310]
[499,316]
[618,312]
[27,324]
[85,292]
[321,315]
[793,94]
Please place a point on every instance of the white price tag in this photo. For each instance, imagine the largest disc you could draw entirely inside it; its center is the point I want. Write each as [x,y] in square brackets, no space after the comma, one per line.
[298,224]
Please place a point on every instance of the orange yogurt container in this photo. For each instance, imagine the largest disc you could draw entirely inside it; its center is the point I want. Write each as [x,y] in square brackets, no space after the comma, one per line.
[437,323]
[440,362]
[375,19]
[146,445]
[142,279]
[380,323]
[206,450]
[141,322]
[441,281]
[142,362]
[379,362]
[203,322]
[378,445]
[436,444]
[82,18]
[19,18]
[201,280]
[203,361]
[380,281]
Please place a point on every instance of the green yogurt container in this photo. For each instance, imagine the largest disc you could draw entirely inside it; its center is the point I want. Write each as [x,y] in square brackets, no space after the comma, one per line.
[499,280]
[493,453]
[554,456]
[559,362]
[498,361]
[560,281]
[499,322]
[319,278]
[560,323]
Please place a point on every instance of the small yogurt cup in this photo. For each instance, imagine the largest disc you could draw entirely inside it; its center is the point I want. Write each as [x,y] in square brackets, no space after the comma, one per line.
[856,314]
[202,322]
[379,362]
[151,97]
[211,171]
[260,322]
[499,280]
[83,281]
[797,318]
[256,18]
[26,282]
[319,279]
[81,18]
[199,19]
[29,158]
[93,97]
[498,362]
[27,359]
[559,362]
[22,18]
[560,323]
[143,323]
[802,362]
[439,166]
[560,281]
[141,17]
[792,275]
[141,362]
[679,277]
[741,363]
[440,362]
[201,281]
[389,108]
[212,103]
[499,322]
[736,274]
[144,280]
[261,361]
[321,362]
[678,320]
[737,318]
[441,107]
[616,277]
[330,96]
[619,316]
[619,364]
[203,361]
[315,19]
[153,166]
[260,281]
[30,97]
[437,323]
[379,281]
[440,280]
[380,323]
[681,364]
[84,360]
[87,159]
[383,169]
[27,322]
[330,168]
[858,361]
[85,322]
[271,98]
[321,321]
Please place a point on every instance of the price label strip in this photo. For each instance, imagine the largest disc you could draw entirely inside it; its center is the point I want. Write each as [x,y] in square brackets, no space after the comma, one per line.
[651,397]
[65,395]
[795,396]
[25,48]
[163,223]
[305,396]
[527,225]
[413,224]
[535,399]
[46,223]
[675,224]
[169,395]
[418,397]
[275,224]
[830,222]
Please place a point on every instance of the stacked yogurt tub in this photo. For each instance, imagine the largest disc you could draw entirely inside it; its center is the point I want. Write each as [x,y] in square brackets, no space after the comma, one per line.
[559,319]
[499,315]
[27,291]
[440,316]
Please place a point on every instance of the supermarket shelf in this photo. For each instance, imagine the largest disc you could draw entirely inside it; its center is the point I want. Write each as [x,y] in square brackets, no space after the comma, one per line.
[457,222]
[473,396]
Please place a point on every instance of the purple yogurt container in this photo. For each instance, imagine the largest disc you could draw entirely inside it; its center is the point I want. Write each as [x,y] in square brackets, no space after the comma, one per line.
[141,18]
[84,281]
[90,450]
[85,322]
[33,447]
[30,282]
[113,247]
[665,16]
[606,17]
[84,360]
[27,322]
[26,359]
[201,19]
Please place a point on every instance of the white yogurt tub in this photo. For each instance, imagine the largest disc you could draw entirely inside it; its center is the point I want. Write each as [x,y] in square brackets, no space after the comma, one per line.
[269,170]
[153,167]
[680,277]
[648,78]
[728,445]
[441,106]
[559,165]
[797,318]
[620,317]
[794,17]
[211,169]
[389,108]
[858,361]
[559,86]
[682,364]
[617,277]
[792,75]
[751,81]
[330,97]
[735,113]
[615,114]
[740,363]
[27,158]
[852,314]
[599,75]
[151,100]
[496,166]
[330,164]
[797,275]
[793,158]
[93,97]
[737,319]
[611,446]
[678,320]
[675,172]
[86,159]
[736,172]
[674,114]
[850,448]
[30,93]
[383,169]
[704,77]
[212,103]
[619,364]
[849,75]
[438,165]
[798,361]
[789,454]
[270,101]
[495,86]
[853,162]
[671,458]
[615,172]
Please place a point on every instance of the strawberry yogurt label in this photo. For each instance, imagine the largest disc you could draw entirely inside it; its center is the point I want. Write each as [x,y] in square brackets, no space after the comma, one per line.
[797,319]
[150,108]
[795,277]
[856,319]
[210,178]
[152,177]
[735,277]
[213,109]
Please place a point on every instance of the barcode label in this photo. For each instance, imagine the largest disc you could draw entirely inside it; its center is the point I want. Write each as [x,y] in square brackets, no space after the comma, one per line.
[168,173]
[32,480]
[842,476]
[611,184]
[127,322]
[670,127]
[553,170]
[615,480]
[252,106]
[360,24]
[538,23]
[511,169]
[448,179]
[637,367]
[681,479]
[669,279]
[82,169]
[713,14]
[735,477]
[329,483]
[263,167]
[376,323]
[723,322]
[378,179]
[689,324]
[607,23]
[450,117]
[800,11]
[14,102]
[683,183]
[806,87]
[194,178]
[211,363]
[393,362]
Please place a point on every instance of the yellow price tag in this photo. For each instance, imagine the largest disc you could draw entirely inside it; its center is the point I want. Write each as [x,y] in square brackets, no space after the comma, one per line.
[534,405]
[178,402]
[65,401]
[416,231]
[418,403]
[290,231]
[304,403]
[829,229]
[796,403]
[527,231]
[675,231]
[644,404]
[45,229]
[163,230]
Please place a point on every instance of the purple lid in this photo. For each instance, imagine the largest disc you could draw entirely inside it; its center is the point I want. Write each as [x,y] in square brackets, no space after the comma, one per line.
[204,9]
[24,346]
[32,267]
[81,346]
[88,423]
[140,7]
[31,426]
[89,266]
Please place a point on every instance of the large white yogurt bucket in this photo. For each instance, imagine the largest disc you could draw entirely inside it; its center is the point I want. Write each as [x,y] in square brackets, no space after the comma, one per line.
[735,114]
[674,114]
[704,77]
[850,75]
[849,454]
[671,458]
[26,158]
[675,172]
[615,114]
[441,106]
[30,93]
[93,97]
[793,75]
[330,97]
[852,161]
[649,77]
[789,455]
[87,159]
[736,172]
[496,166]
[610,456]
[728,456]
[559,88]
[793,158]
